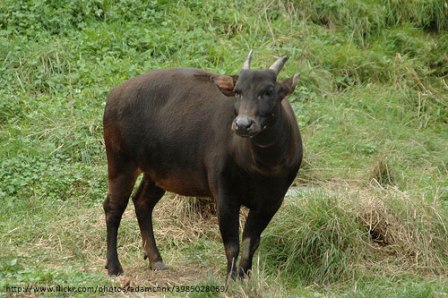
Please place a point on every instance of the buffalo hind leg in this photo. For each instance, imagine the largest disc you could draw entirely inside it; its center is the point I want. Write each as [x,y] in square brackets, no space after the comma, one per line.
[146,197]
[256,222]
[121,183]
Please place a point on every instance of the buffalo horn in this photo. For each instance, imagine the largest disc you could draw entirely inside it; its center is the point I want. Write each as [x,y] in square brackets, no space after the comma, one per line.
[278,65]
[246,64]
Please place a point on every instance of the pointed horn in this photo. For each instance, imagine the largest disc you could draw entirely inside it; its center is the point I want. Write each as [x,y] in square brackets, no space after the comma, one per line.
[295,79]
[246,64]
[278,65]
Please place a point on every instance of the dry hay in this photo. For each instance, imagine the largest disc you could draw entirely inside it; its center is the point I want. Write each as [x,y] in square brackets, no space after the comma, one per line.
[192,207]
[182,219]
[401,234]
[385,228]
[402,230]
[194,212]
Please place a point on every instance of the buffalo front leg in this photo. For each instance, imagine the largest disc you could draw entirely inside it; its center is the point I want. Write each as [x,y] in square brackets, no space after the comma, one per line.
[256,222]
[147,196]
[120,188]
[228,218]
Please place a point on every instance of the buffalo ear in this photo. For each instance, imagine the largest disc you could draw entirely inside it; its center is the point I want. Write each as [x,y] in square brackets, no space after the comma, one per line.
[226,84]
[287,87]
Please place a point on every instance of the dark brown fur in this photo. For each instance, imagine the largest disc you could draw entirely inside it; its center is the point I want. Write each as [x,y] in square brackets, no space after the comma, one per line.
[174,126]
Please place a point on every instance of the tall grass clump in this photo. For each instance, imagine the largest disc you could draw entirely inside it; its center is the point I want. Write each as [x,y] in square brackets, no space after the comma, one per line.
[314,240]
[325,237]
[409,233]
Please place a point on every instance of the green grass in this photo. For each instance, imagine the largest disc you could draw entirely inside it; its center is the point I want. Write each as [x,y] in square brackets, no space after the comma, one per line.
[370,215]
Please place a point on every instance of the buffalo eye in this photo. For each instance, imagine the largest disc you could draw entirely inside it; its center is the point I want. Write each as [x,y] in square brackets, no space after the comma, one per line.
[266,93]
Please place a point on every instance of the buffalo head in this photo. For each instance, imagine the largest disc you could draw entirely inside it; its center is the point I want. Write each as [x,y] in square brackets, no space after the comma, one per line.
[257,94]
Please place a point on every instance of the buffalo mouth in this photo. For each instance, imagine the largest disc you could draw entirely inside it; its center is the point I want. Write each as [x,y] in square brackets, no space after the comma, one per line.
[245,135]
[246,127]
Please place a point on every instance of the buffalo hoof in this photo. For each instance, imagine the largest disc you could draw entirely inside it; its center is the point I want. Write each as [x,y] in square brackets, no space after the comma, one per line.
[114,270]
[159,266]
[243,274]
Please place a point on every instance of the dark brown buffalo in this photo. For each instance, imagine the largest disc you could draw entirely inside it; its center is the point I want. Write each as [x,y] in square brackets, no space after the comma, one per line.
[195,133]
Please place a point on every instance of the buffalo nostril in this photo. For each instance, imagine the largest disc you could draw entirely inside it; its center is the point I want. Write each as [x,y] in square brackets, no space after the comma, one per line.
[244,123]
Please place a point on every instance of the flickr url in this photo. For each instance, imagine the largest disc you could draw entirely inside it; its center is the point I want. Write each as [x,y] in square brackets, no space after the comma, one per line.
[114,289]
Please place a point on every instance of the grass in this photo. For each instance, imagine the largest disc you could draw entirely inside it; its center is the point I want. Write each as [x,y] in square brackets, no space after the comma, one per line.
[368,215]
